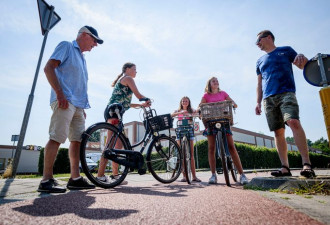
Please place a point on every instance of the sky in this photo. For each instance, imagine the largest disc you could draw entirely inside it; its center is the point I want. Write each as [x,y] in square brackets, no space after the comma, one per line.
[176,45]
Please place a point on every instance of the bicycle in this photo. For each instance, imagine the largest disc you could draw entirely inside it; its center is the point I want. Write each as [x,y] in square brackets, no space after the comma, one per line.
[185,126]
[163,158]
[219,116]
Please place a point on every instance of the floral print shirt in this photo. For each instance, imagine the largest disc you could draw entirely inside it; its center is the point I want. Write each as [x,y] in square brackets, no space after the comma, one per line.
[121,94]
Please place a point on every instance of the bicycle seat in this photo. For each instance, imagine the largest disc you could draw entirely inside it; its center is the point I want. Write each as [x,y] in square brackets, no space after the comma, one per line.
[110,111]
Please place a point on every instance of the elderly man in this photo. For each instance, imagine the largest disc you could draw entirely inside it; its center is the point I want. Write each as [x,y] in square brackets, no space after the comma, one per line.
[277,88]
[67,75]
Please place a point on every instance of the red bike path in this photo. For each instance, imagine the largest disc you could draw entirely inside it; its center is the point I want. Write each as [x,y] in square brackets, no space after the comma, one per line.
[146,201]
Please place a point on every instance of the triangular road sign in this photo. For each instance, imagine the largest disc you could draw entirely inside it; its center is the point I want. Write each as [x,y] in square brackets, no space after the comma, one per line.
[44,12]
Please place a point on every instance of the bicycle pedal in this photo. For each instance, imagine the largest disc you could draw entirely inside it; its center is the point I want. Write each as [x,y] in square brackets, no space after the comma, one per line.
[142,171]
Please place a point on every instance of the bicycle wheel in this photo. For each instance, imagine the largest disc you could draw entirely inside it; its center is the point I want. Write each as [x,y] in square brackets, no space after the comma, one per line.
[232,168]
[164,159]
[186,159]
[221,148]
[98,138]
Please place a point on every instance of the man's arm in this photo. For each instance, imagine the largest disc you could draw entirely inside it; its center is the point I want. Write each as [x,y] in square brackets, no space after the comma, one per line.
[300,61]
[53,81]
[259,95]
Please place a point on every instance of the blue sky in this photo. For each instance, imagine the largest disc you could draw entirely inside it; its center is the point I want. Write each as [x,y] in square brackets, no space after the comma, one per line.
[176,45]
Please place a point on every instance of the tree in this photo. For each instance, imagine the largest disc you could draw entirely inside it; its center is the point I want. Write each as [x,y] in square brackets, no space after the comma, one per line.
[322,144]
[290,139]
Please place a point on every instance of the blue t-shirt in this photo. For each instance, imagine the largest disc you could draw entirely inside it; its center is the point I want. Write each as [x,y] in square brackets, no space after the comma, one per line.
[72,74]
[276,70]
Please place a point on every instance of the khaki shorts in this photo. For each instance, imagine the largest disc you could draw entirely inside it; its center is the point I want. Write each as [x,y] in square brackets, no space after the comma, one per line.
[66,123]
[281,108]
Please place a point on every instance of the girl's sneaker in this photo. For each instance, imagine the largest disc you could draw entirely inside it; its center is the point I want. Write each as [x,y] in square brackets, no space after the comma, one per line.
[243,179]
[213,179]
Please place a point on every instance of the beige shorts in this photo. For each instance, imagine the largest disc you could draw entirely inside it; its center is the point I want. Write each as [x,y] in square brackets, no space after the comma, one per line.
[66,123]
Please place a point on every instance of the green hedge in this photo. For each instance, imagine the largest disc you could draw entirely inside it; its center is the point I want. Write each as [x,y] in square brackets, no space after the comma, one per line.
[62,162]
[253,157]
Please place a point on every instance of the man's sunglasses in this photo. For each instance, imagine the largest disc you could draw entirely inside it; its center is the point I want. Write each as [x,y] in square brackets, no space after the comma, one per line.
[259,39]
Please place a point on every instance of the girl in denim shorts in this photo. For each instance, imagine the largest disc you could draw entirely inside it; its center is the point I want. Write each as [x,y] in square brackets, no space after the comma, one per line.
[185,109]
[214,94]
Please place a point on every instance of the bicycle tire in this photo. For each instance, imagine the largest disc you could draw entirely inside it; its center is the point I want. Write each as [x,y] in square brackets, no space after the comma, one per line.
[94,140]
[220,145]
[186,159]
[164,159]
[232,168]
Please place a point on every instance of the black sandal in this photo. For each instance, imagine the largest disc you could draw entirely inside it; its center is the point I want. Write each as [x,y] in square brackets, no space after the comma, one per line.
[279,173]
[308,173]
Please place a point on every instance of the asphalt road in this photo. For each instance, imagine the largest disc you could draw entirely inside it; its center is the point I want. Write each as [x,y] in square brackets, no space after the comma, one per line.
[146,201]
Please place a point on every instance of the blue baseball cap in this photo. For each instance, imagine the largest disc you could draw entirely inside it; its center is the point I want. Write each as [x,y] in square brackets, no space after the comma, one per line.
[90,30]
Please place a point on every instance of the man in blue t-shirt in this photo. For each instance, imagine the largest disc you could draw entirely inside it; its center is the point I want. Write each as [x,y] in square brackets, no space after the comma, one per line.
[277,89]
[66,72]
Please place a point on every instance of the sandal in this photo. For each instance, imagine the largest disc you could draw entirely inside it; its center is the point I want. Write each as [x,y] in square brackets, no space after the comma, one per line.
[196,180]
[308,173]
[183,180]
[279,173]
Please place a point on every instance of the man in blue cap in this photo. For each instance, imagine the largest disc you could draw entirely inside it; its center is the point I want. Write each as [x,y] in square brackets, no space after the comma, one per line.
[67,74]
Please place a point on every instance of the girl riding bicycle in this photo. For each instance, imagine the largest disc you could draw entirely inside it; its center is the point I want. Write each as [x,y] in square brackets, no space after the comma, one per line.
[124,88]
[214,94]
[185,108]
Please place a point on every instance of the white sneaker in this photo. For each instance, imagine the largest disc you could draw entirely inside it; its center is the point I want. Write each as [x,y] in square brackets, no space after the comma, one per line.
[243,179]
[113,178]
[104,179]
[213,179]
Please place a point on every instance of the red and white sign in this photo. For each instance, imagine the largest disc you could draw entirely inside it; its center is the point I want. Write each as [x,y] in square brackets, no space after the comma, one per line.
[196,126]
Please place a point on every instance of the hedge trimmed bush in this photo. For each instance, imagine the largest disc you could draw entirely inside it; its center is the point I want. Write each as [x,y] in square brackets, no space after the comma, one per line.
[62,162]
[253,157]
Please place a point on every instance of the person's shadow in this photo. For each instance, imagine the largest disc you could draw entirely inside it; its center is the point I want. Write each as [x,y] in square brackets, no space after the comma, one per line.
[77,203]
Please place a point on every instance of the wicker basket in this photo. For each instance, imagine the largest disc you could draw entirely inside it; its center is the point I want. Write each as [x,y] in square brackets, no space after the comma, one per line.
[161,122]
[217,111]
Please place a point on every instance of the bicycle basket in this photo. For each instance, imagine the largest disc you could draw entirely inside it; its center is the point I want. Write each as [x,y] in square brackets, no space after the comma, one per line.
[217,111]
[161,122]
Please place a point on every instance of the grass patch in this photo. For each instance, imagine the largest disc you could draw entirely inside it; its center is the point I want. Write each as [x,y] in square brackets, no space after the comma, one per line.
[285,198]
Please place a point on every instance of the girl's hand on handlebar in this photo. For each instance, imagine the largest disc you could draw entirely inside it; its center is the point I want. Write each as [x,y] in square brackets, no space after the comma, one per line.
[146,104]
[234,105]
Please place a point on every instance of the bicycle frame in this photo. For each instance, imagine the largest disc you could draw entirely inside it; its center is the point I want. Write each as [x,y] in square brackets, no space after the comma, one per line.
[148,136]
[222,130]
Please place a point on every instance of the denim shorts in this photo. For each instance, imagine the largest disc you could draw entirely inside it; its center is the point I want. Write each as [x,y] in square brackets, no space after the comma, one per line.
[214,131]
[281,108]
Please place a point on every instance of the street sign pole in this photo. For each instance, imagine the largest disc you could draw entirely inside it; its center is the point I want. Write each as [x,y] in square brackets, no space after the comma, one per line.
[31,96]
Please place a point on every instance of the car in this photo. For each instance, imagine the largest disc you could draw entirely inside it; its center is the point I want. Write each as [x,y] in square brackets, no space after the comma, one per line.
[91,165]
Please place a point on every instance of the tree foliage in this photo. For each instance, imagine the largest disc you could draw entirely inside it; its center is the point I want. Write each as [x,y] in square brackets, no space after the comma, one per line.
[321,144]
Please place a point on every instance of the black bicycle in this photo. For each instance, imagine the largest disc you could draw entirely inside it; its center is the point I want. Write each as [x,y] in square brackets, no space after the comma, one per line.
[163,158]
[218,116]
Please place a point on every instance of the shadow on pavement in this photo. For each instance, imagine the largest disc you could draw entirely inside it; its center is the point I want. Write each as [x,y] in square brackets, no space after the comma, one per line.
[77,203]
[5,187]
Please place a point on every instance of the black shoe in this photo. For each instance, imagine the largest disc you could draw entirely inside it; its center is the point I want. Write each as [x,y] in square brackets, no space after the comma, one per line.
[308,173]
[81,183]
[279,173]
[51,186]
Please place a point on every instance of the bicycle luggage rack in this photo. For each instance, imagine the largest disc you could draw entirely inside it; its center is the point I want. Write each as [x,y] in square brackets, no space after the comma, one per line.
[217,111]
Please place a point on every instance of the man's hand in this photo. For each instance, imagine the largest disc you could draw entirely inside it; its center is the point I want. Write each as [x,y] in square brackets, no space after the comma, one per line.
[300,61]
[258,109]
[62,101]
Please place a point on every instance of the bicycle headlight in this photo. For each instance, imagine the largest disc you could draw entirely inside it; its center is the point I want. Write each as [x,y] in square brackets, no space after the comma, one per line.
[218,125]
